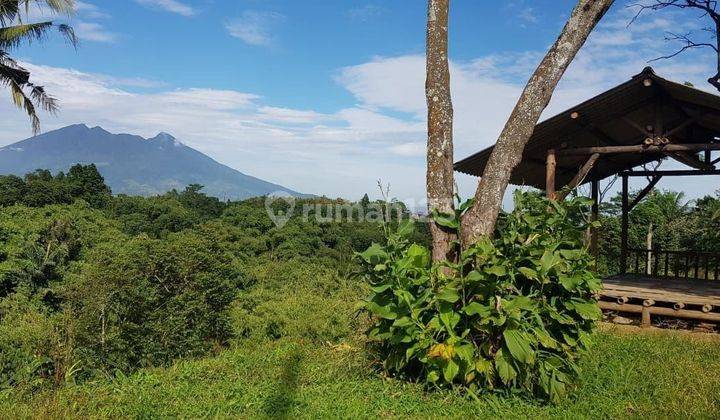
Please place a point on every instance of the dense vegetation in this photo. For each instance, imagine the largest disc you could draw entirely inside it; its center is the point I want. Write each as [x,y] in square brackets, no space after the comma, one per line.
[94,287]
[92,284]
[513,312]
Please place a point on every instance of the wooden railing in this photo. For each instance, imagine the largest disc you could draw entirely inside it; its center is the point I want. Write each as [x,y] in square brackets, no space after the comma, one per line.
[676,264]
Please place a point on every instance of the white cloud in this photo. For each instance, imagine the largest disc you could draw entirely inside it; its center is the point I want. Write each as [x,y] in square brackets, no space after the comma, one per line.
[255,27]
[172,6]
[91,31]
[90,10]
[409,149]
[527,14]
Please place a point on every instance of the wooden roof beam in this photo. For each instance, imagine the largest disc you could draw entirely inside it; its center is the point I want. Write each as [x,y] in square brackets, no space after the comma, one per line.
[640,148]
[690,160]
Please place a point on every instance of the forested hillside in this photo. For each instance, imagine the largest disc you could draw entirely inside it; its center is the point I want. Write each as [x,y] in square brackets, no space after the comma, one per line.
[92,283]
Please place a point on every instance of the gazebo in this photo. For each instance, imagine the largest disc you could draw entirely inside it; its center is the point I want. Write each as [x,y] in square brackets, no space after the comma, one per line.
[641,121]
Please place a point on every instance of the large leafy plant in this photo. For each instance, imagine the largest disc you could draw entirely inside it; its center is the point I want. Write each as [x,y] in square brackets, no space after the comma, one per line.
[513,313]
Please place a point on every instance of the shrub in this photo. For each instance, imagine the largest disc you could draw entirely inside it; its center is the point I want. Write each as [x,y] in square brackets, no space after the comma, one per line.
[144,302]
[298,299]
[514,313]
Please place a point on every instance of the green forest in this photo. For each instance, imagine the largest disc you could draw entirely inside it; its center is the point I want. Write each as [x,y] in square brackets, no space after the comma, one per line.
[94,287]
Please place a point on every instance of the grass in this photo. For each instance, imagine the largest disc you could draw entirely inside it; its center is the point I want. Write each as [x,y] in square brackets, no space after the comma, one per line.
[629,373]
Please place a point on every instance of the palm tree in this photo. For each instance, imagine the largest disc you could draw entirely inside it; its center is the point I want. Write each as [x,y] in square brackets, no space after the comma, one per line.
[13,32]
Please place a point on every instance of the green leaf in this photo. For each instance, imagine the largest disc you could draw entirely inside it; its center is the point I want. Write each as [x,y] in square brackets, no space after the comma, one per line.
[375,254]
[569,283]
[380,288]
[528,272]
[520,347]
[386,311]
[448,317]
[403,322]
[406,228]
[466,205]
[519,303]
[504,368]
[589,310]
[450,370]
[572,254]
[445,220]
[548,260]
[448,294]
[497,270]
[475,308]
[474,276]
[433,376]
[466,353]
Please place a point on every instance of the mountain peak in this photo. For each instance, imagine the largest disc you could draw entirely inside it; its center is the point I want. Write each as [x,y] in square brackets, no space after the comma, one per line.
[163,136]
[132,164]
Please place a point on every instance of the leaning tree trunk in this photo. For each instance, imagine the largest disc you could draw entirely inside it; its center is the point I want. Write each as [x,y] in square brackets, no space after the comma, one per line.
[440,119]
[480,220]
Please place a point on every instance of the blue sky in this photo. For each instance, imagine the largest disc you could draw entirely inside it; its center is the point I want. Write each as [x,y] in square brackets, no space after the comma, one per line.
[323,96]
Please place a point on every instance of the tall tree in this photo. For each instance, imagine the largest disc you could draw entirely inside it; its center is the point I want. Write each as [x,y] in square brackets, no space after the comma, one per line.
[480,219]
[440,124]
[13,32]
[708,38]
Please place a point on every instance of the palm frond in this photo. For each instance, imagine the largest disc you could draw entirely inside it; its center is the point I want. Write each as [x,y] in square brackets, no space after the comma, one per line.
[41,98]
[10,10]
[22,101]
[13,31]
[10,70]
[69,33]
[12,36]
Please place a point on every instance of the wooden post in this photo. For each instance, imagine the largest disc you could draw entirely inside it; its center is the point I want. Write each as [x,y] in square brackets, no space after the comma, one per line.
[646,321]
[551,164]
[595,193]
[648,247]
[624,228]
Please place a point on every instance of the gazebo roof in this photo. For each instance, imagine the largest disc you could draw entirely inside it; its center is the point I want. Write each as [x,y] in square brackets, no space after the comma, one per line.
[622,116]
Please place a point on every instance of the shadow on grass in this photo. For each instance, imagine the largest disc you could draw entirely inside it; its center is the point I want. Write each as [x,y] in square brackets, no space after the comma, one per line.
[281,401]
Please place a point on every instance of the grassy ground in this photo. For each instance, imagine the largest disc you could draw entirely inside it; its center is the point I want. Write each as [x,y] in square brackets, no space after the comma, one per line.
[628,374]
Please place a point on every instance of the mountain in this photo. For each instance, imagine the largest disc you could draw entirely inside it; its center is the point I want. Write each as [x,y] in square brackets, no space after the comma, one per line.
[132,164]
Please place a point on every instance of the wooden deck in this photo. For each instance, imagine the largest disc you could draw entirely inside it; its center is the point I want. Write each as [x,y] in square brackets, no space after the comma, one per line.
[673,297]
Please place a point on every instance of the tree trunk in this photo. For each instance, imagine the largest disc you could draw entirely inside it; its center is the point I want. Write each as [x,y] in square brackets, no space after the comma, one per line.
[440,119]
[480,220]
